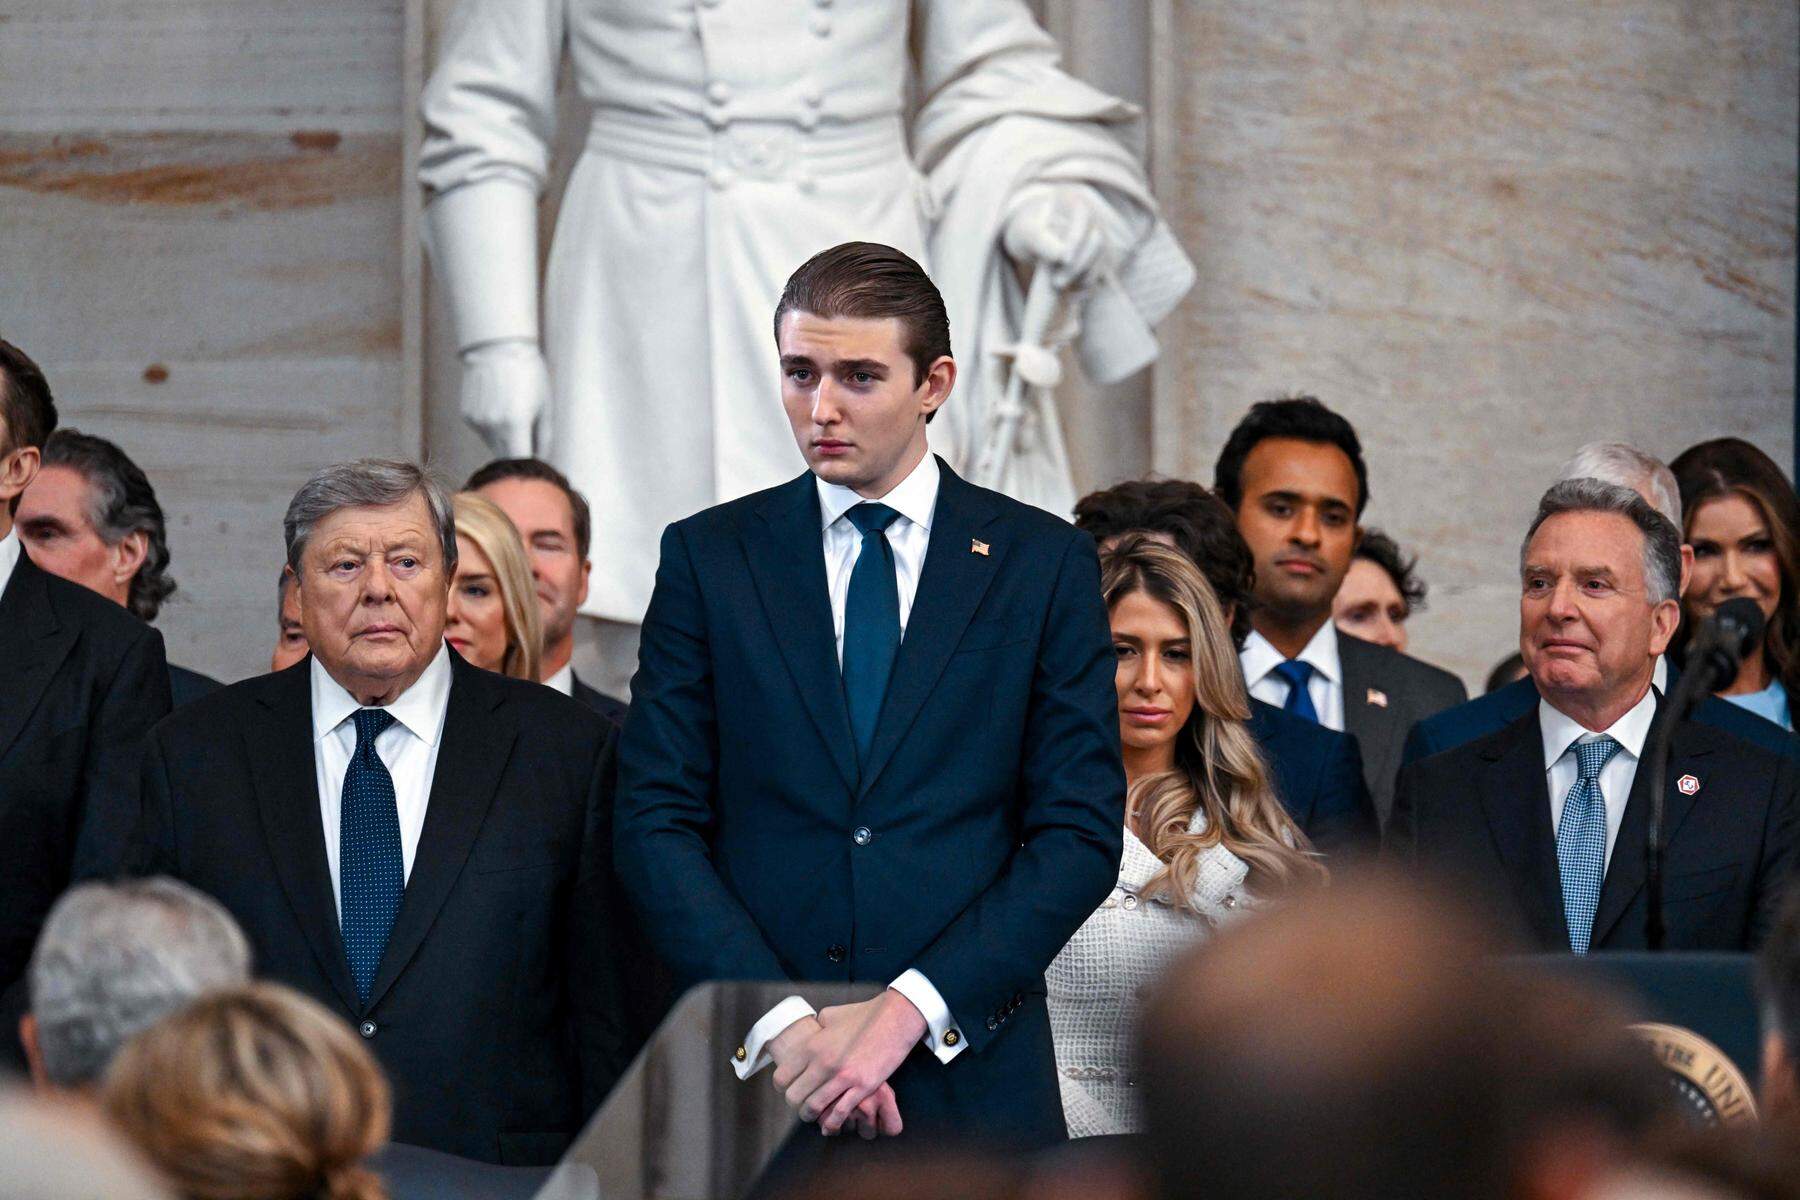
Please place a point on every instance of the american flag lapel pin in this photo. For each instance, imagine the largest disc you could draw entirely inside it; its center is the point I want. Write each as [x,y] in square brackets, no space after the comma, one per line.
[1688,784]
[977,546]
[1377,697]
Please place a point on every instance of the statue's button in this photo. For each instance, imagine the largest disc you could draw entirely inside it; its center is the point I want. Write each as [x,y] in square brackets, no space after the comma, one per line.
[718,91]
[720,178]
[821,25]
[812,97]
[808,120]
[806,183]
[717,117]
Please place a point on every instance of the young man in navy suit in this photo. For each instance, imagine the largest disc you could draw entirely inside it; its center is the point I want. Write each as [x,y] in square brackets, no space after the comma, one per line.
[873,738]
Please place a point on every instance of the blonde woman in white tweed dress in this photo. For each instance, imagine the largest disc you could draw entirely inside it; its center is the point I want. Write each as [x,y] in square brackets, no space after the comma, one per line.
[1206,839]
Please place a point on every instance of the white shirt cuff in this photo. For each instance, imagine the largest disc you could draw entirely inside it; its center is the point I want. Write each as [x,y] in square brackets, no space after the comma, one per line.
[942,1037]
[753,1055]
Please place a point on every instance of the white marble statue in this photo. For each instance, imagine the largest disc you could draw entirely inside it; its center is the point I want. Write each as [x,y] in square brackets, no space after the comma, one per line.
[729,141]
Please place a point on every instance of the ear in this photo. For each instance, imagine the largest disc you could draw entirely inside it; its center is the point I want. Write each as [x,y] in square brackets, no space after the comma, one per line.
[34,1057]
[1663,620]
[1687,569]
[128,557]
[587,569]
[17,470]
[935,388]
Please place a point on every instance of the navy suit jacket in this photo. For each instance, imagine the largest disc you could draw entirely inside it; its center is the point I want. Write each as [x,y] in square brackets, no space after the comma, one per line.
[1495,711]
[1319,777]
[984,828]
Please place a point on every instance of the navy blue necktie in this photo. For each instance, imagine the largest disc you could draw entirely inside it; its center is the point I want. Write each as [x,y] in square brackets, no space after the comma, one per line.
[371,871]
[1299,699]
[871,623]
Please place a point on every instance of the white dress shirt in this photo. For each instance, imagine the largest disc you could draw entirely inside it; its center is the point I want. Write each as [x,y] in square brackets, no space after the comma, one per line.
[408,748]
[564,680]
[1259,658]
[9,558]
[915,499]
[1562,769]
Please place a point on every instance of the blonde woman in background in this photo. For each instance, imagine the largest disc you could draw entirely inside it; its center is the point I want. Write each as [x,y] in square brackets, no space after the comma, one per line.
[252,1093]
[493,619]
[1206,838]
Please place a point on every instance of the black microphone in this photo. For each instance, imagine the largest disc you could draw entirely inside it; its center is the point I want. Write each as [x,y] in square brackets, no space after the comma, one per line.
[1718,647]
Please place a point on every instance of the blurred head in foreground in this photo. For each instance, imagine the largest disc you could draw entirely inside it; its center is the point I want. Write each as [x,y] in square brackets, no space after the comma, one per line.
[57,1151]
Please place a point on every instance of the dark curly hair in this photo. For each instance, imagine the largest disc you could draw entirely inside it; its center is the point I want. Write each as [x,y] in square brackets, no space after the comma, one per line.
[121,502]
[1302,418]
[1195,520]
[1385,553]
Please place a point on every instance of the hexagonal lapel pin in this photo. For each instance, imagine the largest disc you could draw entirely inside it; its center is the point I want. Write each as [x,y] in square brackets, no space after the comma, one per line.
[1687,785]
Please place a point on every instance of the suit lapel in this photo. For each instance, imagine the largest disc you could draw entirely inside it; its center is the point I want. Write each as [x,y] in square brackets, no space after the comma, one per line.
[1517,806]
[786,552]
[951,586]
[1374,725]
[33,644]
[278,740]
[1627,870]
[472,755]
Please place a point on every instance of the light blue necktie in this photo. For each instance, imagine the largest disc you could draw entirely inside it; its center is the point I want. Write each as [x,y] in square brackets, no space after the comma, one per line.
[1299,699]
[1581,842]
[871,623]
[371,871]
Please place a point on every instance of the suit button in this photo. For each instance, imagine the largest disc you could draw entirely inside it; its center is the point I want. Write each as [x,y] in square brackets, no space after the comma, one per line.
[367,1029]
[862,836]
[835,953]
[993,1023]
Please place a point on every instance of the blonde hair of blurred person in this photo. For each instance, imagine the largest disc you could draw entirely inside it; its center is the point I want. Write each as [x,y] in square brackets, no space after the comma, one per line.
[1201,758]
[494,619]
[254,1093]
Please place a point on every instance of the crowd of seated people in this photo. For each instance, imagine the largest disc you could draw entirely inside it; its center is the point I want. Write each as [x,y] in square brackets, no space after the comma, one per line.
[469,885]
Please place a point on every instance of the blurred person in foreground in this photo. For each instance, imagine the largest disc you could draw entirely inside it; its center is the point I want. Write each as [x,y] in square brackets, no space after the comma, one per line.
[1372,1046]
[53,1150]
[253,1093]
[1743,523]
[1778,996]
[290,634]
[1545,813]
[1627,467]
[1206,839]
[115,958]
[1380,592]
[557,527]
[492,620]
[92,517]
[1317,771]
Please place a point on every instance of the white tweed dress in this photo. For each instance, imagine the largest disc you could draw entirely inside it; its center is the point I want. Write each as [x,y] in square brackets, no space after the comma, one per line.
[1096,984]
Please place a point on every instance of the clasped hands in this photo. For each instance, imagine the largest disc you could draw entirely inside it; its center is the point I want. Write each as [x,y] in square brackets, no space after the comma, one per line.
[834,1068]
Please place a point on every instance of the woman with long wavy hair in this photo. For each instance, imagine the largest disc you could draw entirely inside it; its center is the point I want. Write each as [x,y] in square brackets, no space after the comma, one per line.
[1206,837]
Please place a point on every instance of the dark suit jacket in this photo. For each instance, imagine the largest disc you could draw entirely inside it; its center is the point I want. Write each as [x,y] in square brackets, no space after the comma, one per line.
[186,686]
[1495,711]
[1319,776]
[81,683]
[1386,693]
[415,1173]
[613,710]
[495,1009]
[985,827]
[1483,811]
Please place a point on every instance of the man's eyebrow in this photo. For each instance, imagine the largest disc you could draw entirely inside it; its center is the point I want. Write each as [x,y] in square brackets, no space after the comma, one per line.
[44,522]
[873,366]
[796,360]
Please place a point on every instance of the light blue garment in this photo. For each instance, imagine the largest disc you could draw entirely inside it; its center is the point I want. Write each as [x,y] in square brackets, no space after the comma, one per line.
[1771,704]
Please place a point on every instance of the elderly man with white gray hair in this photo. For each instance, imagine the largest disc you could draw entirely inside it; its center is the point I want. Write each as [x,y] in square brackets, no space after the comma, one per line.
[1544,814]
[1625,466]
[114,959]
[420,845]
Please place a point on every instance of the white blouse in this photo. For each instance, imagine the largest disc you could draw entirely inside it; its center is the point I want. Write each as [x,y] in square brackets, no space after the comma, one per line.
[1096,984]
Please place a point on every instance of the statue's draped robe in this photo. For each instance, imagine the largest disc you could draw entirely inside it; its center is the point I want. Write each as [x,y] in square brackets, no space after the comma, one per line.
[730,140]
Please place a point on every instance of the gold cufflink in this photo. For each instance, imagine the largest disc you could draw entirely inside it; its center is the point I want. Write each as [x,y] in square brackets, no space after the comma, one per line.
[952,1037]
[977,546]
[741,1054]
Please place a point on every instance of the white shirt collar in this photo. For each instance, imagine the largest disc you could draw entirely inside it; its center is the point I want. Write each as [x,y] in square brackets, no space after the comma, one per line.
[564,680]
[9,557]
[1260,656]
[1560,731]
[914,497]
[420,708]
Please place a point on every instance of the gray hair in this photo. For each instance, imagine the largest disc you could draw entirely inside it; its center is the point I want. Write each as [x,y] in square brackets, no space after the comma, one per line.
[115,958]
[1662,541]
[120,502]
[366,483]
[1628,467]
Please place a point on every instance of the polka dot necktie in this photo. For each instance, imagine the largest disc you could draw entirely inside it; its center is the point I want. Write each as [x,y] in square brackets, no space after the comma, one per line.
[371,872]
[1581,842]
[871,623]
[1299,698]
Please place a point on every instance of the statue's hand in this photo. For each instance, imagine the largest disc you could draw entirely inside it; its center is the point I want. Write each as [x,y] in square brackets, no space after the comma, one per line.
[1056,227]
[505,390]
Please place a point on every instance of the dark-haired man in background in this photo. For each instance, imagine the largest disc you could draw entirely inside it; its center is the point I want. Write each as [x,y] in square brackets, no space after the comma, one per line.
[81,683]
[91,517]
[1318,771]
[554,522]
[1293,473]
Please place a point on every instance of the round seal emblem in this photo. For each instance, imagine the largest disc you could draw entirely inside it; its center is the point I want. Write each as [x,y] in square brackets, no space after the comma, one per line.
[1708,1085]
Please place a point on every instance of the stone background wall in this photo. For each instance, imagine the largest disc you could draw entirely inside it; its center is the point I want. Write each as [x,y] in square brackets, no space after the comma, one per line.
[1485,232]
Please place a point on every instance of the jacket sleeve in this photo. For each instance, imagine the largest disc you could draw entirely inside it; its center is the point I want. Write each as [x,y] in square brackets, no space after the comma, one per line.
[596,988]
[1776,873]
[1072,816]
[668,769]
[134,700]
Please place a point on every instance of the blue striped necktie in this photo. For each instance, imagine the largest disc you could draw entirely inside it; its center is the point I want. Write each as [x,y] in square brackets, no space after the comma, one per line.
[371,870]
[1581,842]
[871,623]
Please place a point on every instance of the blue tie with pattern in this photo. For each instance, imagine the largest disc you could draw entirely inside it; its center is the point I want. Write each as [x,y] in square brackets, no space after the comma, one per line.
[1299,700]
[871,623]
[371,871]
[1581,842]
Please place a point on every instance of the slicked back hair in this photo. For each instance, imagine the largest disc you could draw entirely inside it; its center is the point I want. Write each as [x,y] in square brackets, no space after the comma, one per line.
[536,468]
[1662,541]
[120,502]
[869,281]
